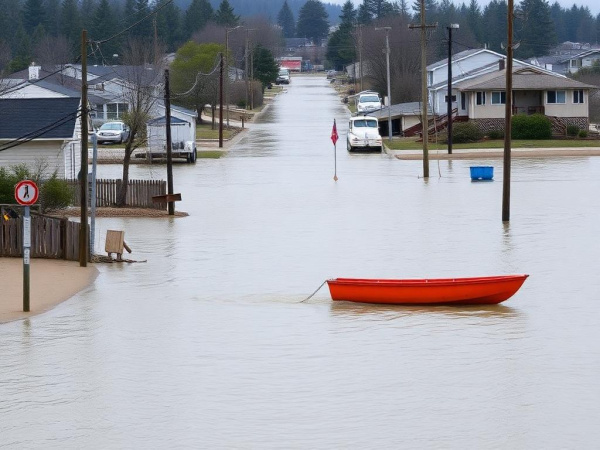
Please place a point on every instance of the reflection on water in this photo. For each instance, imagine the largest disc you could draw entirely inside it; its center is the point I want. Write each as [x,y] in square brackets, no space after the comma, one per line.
[207,345]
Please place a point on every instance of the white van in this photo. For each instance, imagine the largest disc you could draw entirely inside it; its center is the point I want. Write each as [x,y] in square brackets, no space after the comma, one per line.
[367,102]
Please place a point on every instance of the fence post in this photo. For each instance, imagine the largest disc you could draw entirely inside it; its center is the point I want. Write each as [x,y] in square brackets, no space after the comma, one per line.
[63,238]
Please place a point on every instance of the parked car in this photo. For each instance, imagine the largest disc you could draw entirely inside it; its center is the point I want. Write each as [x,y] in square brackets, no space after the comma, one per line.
[115,132]
[283,77]
[363,135]
[367,102]
[331,74]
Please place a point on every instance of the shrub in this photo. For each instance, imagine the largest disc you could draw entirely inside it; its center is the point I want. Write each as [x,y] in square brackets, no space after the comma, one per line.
[572,130]
[536,126]
[496,134]
[55,194]
[465,132]
[583,134]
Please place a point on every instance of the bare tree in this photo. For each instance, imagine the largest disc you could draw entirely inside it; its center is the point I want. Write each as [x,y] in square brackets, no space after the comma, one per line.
[53,50]
[404,59]
[5,55]
[142,89]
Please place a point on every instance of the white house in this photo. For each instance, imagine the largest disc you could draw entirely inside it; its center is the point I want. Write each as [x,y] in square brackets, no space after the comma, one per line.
[41,132]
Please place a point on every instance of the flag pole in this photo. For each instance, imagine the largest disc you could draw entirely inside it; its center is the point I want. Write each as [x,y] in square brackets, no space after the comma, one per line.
[334,139]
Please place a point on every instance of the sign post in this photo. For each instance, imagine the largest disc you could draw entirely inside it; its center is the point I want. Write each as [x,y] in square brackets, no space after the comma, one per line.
[26,194]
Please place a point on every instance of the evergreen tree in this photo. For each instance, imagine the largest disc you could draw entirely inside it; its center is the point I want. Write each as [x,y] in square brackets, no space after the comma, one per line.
[168,23]
[143,30]
[312,21]
[495,28]
[266,68]
[535,29]
[71,24]
[53,17]
[341,45]
[197,16]
[34,14]
[285,19]
[22,53]
[87,13]
[363,16]
[403,10]
[474,17]
[224,15]
[104,25]
[431,11]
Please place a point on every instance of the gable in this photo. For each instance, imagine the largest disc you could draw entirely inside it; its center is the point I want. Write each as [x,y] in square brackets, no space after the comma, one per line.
[38,118]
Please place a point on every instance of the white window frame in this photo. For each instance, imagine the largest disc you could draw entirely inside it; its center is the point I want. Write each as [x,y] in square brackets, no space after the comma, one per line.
[556,99]
[578,96]
[502,95]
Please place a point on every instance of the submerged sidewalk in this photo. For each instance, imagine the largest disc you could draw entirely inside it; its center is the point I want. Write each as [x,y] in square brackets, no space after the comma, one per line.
[496,153]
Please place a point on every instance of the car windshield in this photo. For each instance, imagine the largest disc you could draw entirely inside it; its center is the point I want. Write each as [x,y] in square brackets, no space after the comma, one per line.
[369,98]
[284,72]
[365,123]
[111,126]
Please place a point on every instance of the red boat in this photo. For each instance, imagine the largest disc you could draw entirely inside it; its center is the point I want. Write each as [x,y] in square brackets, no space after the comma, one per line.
[436,291]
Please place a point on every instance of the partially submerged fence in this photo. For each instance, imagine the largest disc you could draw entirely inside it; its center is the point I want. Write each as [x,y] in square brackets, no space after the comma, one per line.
[51,237]
[139,193]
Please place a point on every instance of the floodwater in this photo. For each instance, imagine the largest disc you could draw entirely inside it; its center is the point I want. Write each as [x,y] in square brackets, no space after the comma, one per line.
[208,346]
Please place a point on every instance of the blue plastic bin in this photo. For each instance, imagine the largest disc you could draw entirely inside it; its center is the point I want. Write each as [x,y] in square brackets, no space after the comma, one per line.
[482,173]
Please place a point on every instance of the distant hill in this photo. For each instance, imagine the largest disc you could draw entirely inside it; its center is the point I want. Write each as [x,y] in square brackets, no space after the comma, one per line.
[268,8]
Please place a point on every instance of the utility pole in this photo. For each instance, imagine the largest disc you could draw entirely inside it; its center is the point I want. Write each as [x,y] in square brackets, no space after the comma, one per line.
[227,31]
[508,116]
[450,28]
[389,90]
[221,102]
[246,66]
[83,225]
[170,203]
[251,78]
[360,64]
[424,93]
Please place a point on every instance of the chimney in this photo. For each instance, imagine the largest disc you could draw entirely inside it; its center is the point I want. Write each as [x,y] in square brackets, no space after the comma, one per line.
[548,66]
[34,71]
[501,65]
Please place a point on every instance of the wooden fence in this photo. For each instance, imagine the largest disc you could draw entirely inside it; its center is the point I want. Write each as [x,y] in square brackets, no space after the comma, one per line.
[139,193]
[51,237]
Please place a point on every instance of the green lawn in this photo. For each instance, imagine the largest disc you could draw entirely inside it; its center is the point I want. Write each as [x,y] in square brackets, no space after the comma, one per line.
[205,131]
[413,144]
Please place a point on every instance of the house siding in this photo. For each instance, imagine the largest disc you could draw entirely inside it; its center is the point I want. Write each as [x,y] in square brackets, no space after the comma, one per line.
[56,156]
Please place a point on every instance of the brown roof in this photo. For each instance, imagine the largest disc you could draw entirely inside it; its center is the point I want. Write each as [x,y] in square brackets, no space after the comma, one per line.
[522,79]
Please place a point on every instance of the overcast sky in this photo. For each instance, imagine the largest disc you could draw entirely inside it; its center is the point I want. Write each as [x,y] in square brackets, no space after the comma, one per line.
[593,5]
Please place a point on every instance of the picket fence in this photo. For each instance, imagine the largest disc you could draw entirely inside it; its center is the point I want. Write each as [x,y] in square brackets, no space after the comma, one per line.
[139,193]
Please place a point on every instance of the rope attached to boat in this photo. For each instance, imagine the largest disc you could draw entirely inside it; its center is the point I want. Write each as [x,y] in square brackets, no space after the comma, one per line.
[311,295]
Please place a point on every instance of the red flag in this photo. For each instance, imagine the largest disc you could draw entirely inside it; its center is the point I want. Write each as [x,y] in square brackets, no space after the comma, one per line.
[334,135]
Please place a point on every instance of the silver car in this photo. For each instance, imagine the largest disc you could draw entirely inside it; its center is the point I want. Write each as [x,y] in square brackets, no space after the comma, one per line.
[113,132]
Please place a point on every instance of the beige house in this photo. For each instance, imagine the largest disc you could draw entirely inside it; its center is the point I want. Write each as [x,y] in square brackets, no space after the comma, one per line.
[563,100]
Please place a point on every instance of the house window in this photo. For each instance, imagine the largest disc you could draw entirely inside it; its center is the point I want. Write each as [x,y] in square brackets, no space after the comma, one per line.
[480,98]
[578,96]
[498,98]
[556,96]
[430,78]
[115,111]
[463,101]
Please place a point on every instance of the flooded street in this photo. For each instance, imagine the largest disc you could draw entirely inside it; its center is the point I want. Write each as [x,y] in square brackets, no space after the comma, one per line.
[208,346]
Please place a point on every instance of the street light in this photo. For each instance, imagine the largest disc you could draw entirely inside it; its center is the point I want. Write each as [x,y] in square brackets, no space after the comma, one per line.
[248,30]
[389,91]
[449,118]
[227,31]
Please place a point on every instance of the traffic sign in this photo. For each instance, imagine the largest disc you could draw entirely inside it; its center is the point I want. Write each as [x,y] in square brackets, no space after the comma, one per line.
[26,192]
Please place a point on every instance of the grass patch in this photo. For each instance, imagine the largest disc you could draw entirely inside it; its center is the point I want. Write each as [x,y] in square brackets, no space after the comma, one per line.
[412,144]
[205,131]
[210,154]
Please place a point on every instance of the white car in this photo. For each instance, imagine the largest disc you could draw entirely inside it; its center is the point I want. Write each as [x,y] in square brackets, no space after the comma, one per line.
[363,135]
[116,132]
[283,77]
[367,102]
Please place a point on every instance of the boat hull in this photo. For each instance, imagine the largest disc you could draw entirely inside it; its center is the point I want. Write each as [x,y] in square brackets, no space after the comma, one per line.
[438,291]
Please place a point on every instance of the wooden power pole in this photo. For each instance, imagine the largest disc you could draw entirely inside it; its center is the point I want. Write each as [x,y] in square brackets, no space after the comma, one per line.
[83,226]
[170,203]
[221,102]
[424,92]
[508,117]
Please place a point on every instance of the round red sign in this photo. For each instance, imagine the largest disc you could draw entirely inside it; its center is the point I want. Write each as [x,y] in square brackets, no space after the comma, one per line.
[26,192]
